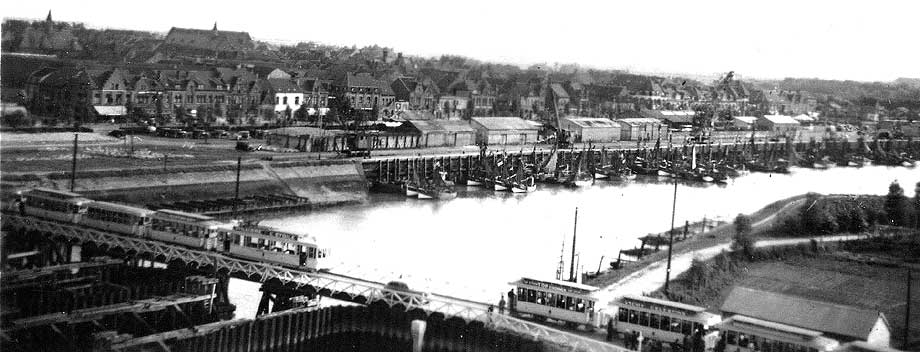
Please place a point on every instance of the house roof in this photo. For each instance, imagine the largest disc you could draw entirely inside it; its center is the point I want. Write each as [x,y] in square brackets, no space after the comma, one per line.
[361,80]
[283,86]
[781,119]
[804,313]
[745,119]
[558,91]
[863,346]
[455,126]
[592,122]
[504,123]
[427,126]
[637,121]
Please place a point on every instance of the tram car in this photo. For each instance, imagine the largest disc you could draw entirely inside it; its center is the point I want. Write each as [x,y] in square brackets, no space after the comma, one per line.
[119,218]
[268,244]
[565,301]
[660,319]
[187,229]
[53,204]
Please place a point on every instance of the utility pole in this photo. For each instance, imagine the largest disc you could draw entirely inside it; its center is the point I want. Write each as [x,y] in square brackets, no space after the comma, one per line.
[907,311]
[236,194]
[574,234]
[667,274]
[73,164]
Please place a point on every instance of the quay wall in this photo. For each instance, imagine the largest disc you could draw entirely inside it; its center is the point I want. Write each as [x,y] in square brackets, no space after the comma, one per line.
[321,181]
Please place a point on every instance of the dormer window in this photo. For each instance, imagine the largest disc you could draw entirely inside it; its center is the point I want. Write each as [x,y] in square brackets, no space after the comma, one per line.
[201,86]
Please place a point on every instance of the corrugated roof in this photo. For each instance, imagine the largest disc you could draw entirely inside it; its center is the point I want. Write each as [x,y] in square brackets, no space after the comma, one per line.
[781,119]
[804,313]
[637,121]
[455,126]
[427,126]
[745,119]
[504,123]
[743,320]
[592,122]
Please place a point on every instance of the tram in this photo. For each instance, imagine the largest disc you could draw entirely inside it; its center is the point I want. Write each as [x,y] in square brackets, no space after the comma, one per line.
[53,204]
[660,319]
[565,301]
[118,218]
[272,245]
[187,229]
[746,334]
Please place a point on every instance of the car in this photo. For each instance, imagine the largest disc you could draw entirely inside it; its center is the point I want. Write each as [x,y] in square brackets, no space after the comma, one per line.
[403,287]
[118,133]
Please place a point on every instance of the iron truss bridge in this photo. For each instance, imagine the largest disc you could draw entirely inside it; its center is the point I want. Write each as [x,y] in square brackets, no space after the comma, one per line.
[325,283]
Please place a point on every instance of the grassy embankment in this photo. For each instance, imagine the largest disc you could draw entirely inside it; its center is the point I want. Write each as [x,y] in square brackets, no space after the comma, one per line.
[762,219]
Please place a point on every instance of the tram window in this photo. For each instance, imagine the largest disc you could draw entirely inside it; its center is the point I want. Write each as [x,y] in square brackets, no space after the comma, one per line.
[675,324]
[697,327]
[800,348]
[633,317]
[686,327]
[732,338]
[654,321]
[665,323]
[531,296]
[623,315]
[643,318]
[579,305]
[758,342]
[541,297]
[560,301]
[566,303]
[743,340]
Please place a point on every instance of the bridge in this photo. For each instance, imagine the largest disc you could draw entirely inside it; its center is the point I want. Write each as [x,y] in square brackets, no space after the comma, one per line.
[328,284]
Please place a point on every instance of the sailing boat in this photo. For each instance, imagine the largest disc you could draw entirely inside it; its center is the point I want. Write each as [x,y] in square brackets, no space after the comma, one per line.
[580,177]
[500,181]
[547,171]
[438,188]
[522,183]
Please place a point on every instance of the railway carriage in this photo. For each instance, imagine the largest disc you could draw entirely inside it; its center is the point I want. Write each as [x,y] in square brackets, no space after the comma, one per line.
[560,300]
[275,246]
[118,218]
[187,229]
[660,319]
[53,204]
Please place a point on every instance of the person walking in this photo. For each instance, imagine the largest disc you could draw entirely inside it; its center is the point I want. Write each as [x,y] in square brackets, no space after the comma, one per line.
[512,301]
[609,330]
[501,305]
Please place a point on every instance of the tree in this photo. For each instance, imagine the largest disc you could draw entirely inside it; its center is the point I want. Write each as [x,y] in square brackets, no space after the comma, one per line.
[896,205]
[742,239]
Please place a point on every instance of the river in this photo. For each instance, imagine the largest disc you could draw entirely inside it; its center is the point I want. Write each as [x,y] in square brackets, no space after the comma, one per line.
[472,246]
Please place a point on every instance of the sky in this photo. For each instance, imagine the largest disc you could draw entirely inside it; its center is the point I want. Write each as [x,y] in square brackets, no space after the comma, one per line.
[866,41]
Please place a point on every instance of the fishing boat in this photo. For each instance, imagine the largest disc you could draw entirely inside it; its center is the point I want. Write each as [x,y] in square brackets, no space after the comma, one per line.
[438,188]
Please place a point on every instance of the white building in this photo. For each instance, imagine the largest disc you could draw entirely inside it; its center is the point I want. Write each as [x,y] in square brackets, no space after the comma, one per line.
[286,95]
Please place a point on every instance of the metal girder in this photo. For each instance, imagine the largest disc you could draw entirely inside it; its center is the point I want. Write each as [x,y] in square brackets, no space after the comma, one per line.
[334,283]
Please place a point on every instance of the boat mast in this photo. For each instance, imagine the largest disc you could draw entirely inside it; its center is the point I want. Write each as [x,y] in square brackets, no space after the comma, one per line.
[561,267]
[574,235]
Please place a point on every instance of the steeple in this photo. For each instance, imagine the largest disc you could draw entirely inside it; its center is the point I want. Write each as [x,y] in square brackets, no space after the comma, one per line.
[48,19]
[215,27]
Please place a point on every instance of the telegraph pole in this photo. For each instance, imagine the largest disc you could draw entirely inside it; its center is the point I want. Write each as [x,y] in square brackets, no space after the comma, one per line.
[73,164]
[907,311]
[667,274]
[236,194]
[574,234]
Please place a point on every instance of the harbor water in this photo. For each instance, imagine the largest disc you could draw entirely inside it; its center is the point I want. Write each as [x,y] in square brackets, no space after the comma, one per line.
[474,245]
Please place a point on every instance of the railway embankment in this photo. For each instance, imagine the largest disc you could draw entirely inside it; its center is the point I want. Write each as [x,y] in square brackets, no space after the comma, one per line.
[323,182]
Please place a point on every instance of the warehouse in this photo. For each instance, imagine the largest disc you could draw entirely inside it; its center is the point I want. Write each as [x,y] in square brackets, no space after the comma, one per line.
[591,129]
[504,130]
[443,133]
[639,128]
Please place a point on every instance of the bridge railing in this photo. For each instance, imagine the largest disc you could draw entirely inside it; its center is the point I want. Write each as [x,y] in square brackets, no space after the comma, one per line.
[334,283]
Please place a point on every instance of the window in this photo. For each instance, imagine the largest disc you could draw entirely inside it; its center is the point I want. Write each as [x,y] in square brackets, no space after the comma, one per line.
[766,345]
[623,315]
[743,340]
[732,338]
[643,318]
[654,321]
[285,100]
[633,317]
[296,100]
[665,323]
[675,324]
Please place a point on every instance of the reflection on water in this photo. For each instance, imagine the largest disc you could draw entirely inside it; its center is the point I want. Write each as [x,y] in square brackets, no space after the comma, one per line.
[474,245]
